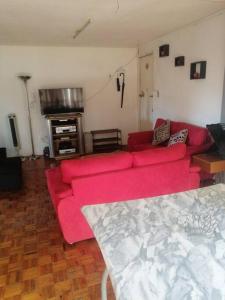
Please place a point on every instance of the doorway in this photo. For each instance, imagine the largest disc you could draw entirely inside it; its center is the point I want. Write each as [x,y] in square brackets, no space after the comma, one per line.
[146,88]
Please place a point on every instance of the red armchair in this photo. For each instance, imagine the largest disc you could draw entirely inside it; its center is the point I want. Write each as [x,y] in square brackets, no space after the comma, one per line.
[198,140]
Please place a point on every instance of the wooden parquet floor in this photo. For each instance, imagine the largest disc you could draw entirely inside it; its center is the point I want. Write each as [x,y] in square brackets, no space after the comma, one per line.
[35,263]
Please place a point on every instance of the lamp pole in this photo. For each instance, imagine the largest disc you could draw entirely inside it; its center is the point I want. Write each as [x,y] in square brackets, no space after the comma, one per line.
[25,78]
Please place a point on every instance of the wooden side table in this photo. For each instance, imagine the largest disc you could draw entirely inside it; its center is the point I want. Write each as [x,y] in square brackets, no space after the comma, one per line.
[211,163]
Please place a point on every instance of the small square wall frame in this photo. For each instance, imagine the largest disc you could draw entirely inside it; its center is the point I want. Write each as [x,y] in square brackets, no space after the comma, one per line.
[164,50]
[198,70]
[179,61]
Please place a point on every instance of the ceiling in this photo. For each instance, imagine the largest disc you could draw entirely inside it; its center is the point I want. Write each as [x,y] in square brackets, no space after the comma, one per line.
[114,23]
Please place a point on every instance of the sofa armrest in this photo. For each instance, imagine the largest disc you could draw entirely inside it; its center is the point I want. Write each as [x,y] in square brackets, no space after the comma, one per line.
[194,168]
[142,137]
[73,224]
[191,150]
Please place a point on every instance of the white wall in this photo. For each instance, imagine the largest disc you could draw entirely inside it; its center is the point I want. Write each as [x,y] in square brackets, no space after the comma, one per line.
[196,101]
[51,67]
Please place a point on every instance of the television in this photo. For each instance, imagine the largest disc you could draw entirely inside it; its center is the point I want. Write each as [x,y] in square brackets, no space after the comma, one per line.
[61,100]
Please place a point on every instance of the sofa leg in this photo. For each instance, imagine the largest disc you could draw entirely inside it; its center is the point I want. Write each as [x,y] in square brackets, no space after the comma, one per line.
[66,245]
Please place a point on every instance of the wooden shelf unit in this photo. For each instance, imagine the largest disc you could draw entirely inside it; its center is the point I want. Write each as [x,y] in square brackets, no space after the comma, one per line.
[58,140]
[106,140]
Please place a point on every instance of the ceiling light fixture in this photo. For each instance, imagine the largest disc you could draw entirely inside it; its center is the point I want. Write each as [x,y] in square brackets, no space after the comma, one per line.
[81,29]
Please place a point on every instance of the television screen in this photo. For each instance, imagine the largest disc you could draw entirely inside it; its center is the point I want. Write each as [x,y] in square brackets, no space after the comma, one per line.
[64,100]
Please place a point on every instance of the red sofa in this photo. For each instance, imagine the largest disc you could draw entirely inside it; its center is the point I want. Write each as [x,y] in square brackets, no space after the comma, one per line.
[198,139]
[115,177]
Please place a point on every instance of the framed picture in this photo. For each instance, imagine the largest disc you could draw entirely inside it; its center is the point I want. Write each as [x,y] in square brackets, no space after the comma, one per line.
[164,50]
[179,61]
[198,70]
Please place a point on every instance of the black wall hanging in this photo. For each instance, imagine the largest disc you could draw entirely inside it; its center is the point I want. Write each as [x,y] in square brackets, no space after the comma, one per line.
[120,85]
[179,61]
[164,50]
[198,70]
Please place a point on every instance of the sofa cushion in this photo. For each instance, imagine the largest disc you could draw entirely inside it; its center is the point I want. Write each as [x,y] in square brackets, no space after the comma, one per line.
[94,165]
[178,137]
[161,133]
[159,155]
[159,122]
[141,147]
[196,135]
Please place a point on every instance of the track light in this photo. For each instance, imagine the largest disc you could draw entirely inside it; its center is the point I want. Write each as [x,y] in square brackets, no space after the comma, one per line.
[81,29]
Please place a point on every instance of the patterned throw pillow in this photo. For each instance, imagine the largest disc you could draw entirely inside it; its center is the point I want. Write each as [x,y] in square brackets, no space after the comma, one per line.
[161,133]
[178,137]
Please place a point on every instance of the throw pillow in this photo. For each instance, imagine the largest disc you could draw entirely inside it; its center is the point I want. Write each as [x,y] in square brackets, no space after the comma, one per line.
[178,137]
[161,133]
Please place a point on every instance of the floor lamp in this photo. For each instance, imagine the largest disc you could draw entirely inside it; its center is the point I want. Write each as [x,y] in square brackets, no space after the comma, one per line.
[25,78]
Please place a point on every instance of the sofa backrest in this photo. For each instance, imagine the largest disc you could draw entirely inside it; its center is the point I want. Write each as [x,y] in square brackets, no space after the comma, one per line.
[133,183]
[159,155]
[95,165]
[196,135]
[91,165]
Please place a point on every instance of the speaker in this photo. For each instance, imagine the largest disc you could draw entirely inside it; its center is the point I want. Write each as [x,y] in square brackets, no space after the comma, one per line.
[14,130]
